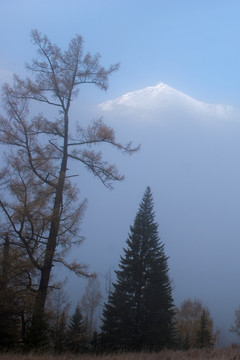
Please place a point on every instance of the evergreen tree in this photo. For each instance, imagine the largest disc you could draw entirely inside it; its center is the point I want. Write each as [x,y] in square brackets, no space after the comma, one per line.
[8,309]
[37,336]
[59,336]
[9,325]
[16,295]
[77,332]
[139,311]
[204,338]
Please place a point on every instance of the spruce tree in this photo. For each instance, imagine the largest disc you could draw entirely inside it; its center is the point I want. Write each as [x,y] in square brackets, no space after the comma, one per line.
[77,332]
[139,312]
[59,335]
[204,337]
[37,336]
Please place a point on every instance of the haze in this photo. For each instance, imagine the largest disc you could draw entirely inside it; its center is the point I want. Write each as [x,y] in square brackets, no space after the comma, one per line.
[177,93]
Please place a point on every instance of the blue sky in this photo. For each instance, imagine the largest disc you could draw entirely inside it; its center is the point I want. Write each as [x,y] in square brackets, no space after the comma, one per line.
[191,165]
[190,45]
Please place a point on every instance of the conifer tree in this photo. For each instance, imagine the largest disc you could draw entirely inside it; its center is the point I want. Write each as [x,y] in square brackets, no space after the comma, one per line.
[60,335]
[204,337]
[37,336]
[7,301]
[77,331]
[16,298]
[139,311]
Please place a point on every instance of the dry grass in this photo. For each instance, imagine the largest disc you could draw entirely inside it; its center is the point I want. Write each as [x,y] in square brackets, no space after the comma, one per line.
[232,353]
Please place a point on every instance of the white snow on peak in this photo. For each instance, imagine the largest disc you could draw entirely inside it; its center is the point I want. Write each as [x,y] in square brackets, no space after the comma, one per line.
[162,97]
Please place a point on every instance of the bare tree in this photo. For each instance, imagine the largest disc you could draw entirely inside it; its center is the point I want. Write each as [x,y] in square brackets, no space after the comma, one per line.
[235,328]
[194,325]
[39,205]
[90,301]
[58,309]
[109,276]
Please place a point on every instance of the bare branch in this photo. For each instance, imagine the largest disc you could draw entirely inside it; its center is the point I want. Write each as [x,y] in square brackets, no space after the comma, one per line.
[41,212]
[79,270]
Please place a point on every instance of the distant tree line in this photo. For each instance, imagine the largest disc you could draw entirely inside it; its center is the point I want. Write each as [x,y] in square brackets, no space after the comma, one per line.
[139,313]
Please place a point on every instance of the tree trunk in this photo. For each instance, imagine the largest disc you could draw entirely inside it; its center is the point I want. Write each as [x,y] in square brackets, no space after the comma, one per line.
[54,229]
[5,264]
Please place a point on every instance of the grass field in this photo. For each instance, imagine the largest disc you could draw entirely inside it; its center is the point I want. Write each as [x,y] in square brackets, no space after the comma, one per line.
[205,354]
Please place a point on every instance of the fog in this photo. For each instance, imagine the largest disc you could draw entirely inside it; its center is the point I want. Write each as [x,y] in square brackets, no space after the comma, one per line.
[190,160]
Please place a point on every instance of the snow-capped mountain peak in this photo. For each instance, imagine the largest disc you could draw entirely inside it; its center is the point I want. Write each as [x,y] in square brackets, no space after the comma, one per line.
[162,98]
